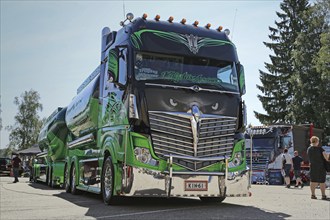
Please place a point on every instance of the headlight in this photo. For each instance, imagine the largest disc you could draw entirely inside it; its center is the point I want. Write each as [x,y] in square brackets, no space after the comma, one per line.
[143,155]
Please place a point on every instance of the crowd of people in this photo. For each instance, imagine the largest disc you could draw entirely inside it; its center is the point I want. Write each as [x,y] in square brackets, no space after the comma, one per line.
[317,161]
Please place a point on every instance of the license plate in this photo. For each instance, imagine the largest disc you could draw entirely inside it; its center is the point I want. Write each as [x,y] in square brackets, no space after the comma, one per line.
[195,185]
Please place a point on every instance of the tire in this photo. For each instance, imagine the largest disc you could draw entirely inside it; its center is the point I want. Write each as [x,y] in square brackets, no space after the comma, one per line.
[47,176]
[212,199]
[50,178]
[74,190]
[107,182]
[67,179]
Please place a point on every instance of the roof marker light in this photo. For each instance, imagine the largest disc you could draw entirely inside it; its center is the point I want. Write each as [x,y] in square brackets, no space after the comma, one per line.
[183,21]
[219,28]
[196,23]
[207,26]
[170,19]
[144,16]
[157,17]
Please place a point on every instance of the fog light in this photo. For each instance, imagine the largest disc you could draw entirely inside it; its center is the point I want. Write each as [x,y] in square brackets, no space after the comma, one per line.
[237,160]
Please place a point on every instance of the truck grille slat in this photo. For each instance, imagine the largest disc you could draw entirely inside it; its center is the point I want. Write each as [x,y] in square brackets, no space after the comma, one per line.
[173,118]
[172,134]
[169,139]
[177,148]
[216,127]
[171,123]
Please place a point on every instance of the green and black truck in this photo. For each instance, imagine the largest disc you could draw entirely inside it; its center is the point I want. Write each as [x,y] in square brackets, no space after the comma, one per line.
[162,115]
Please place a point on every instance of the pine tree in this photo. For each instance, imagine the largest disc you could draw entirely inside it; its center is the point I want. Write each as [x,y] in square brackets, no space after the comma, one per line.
[276,87]
[311,78]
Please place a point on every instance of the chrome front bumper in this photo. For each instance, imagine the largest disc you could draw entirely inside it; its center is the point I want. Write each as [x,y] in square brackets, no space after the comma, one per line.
[149,183]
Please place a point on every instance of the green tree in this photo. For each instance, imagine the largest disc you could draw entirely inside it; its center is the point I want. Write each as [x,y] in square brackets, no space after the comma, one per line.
[276,87]
[24,133]
[311,81]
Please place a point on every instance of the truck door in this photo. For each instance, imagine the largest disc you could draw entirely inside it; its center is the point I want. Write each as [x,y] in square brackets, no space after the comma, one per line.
[114,110]
[114,119]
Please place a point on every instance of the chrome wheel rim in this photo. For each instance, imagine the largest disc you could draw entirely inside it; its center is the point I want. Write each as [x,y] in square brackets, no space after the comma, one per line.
[107,181]
[73,178]
[66,178]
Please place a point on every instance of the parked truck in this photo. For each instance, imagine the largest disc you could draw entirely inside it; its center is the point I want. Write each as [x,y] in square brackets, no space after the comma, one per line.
[268,143]
[162,115]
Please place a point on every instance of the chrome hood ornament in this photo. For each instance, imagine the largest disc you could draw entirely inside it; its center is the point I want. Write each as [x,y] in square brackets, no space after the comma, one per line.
[195,126]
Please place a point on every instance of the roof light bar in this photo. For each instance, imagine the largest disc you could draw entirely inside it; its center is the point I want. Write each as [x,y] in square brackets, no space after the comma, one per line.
[130,16]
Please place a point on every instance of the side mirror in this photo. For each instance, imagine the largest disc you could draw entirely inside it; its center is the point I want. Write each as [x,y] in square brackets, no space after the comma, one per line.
[241,77]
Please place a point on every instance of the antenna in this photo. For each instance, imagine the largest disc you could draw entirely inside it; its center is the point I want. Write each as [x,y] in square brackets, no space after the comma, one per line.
[124,9]
[232,35]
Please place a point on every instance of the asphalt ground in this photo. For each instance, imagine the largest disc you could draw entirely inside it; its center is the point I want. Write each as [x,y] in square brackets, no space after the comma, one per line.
[25,200]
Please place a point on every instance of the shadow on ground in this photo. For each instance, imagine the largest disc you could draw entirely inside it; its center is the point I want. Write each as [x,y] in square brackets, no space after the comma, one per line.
[165,208]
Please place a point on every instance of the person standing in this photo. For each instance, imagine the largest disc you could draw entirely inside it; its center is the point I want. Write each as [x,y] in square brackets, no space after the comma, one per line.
[287,166]
[297,161]
[16,162]
[316,156]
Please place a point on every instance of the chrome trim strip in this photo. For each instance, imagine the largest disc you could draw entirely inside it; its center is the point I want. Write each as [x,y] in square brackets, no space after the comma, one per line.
[83,140]
[88,160]
[132,108]
[197,158]
[195,173]
[191,88]
[188,115]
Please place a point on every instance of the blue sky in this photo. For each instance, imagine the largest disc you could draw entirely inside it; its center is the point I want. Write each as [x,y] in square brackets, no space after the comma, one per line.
[52,46]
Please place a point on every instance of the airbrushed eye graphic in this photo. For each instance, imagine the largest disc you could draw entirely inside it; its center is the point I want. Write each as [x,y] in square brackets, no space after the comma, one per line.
[215,106]
[173,103]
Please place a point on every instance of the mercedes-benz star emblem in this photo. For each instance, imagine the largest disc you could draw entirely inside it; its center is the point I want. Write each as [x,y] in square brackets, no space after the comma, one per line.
[195,88]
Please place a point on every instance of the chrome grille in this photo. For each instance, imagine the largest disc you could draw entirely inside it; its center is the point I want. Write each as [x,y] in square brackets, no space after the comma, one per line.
[172,135]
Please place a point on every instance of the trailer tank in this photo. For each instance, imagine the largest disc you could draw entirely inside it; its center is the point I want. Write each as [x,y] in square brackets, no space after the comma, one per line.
[82,114]
[53,135]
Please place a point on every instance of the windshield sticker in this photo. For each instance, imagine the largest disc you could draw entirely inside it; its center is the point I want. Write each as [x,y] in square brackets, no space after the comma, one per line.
[176,77]
[179,77]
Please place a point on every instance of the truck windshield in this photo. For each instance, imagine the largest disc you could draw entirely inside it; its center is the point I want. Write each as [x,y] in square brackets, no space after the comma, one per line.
[186,71]
[263,143]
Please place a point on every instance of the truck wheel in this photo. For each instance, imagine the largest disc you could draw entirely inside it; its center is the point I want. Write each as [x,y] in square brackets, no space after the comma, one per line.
[50,178]
[74,190]
[67,186]
[212,199]
[107,182]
